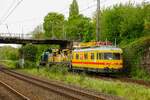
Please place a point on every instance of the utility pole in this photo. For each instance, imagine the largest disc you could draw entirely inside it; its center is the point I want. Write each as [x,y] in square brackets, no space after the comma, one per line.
[64,32]
[98,21]
[22,33]
[52,32]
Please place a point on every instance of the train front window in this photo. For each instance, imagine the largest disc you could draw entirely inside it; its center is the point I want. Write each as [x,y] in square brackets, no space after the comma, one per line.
[117,56]
[112,56]
[108,56]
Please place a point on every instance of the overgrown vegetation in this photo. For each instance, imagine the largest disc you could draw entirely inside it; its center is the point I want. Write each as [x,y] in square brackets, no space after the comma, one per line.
[29,52]
[133,53]
[8,53]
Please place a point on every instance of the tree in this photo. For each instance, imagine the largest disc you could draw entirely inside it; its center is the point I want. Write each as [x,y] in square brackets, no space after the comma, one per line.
[29,51]
[74,9]
[146,9]
[53,25]
[79,28]
[123,22]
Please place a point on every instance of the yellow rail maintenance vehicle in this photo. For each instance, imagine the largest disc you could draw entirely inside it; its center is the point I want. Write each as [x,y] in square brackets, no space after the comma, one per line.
[97,57]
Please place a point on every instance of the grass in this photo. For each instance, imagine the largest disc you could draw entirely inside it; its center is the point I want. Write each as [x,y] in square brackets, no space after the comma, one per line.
[129,91]
[9,63]
[140,73]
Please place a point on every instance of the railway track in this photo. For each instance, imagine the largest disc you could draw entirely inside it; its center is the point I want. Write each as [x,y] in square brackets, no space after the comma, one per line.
[13,91]
[67,91]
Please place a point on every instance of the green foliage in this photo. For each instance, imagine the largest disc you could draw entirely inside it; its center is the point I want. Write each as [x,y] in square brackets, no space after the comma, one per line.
[74,9]
[79,28]
[133,52]
[29,51]
[125,22]
[8,53]
[139,73]
[61,69]
[29,64]
[10,63]
[53,25]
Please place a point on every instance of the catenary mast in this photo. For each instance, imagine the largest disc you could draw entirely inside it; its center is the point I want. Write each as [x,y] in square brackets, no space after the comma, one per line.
[98,21]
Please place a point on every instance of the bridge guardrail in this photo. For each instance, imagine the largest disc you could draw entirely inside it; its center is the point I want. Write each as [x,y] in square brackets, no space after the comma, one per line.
[16,35]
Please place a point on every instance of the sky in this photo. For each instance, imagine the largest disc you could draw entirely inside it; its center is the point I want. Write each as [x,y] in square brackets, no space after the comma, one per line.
[30,13]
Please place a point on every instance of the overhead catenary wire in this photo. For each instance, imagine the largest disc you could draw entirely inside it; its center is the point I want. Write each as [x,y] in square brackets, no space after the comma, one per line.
[7,11]
[12,10]
[98,21]
[93,5]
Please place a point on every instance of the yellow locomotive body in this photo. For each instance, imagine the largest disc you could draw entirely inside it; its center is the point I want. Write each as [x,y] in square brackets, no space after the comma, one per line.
[59,56]
[101,59]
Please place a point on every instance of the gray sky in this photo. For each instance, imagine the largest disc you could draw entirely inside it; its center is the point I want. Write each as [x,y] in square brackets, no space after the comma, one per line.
[30,13]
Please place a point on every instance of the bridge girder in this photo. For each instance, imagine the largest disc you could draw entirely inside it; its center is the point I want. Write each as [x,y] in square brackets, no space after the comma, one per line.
[63,43]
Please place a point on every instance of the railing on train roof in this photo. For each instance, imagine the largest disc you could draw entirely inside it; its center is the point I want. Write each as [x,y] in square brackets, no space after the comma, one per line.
[91,44]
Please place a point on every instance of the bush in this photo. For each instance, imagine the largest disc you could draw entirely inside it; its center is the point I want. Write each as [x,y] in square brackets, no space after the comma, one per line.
[29,51]
[29,64]
[133,53]
[60,69]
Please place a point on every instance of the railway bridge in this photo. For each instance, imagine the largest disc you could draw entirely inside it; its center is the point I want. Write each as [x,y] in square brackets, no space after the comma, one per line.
[15,38]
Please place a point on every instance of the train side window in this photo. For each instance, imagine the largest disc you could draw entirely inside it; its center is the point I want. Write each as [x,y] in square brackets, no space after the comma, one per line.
[92,56]
[81,56]
[77,56]
[102,55]
[85,56]
[99,56]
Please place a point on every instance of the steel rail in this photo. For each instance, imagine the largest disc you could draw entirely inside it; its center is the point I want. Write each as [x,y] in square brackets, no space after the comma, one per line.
[14,91]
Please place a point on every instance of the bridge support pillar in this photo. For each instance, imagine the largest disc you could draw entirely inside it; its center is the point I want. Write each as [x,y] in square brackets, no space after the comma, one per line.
[21,60]
[68,45]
